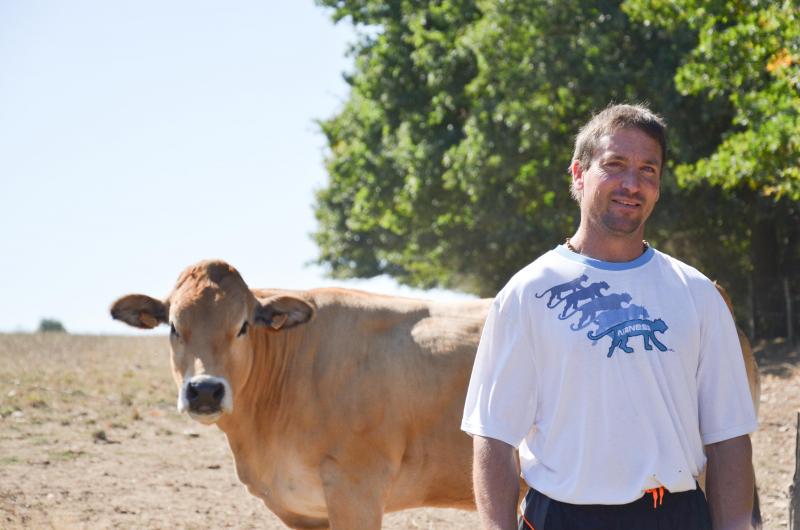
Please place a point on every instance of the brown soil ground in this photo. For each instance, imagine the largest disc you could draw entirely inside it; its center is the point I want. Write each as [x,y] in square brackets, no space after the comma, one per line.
[89,438]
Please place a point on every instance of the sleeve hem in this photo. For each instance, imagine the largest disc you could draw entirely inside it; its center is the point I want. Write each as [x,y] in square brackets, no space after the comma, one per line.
[727,434]
[487,432]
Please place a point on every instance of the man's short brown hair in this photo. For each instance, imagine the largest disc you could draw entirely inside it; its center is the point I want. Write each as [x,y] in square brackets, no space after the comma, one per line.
[611,119]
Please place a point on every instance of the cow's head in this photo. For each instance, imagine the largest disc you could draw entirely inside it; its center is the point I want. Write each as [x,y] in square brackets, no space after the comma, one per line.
[212,316]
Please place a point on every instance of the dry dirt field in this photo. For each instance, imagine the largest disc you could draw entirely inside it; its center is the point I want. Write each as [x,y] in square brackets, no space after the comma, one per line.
[89,438]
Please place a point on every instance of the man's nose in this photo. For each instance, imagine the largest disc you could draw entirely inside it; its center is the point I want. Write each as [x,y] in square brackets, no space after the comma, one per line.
[630,180]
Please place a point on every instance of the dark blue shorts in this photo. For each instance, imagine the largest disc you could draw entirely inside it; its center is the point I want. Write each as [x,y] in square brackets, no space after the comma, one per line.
[686,510]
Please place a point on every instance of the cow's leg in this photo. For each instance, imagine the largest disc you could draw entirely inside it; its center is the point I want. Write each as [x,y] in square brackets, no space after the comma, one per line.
[355,497]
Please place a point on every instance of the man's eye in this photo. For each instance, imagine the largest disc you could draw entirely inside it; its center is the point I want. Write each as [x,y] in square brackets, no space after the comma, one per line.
[243,331]
[173,331]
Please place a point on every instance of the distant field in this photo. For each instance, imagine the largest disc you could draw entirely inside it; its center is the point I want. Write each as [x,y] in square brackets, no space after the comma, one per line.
[89,438]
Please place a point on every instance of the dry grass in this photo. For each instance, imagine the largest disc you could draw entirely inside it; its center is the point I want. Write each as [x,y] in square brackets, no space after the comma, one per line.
[89,438]
[83,375]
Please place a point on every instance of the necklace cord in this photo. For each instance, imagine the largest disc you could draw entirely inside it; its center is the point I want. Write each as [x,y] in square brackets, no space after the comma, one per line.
[568,244]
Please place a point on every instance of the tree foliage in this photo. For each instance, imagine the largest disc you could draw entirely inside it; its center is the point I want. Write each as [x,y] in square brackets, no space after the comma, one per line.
[748,52]
[448,161]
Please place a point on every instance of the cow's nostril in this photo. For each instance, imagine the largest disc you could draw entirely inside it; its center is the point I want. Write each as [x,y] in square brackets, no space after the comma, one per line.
[205,395]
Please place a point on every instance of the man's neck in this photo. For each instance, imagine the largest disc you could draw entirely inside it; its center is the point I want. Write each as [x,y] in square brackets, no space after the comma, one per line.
[607,247]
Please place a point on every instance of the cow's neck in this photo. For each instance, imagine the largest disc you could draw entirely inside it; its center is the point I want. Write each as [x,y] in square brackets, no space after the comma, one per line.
[265,412]
[257,422]
[280,371]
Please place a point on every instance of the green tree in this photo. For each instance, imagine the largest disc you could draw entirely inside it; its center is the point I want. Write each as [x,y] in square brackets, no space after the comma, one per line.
[51,324]
[749,53]
[448,162]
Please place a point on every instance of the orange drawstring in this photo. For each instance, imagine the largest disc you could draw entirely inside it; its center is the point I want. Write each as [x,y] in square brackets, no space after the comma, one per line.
[527,522]
[658,496]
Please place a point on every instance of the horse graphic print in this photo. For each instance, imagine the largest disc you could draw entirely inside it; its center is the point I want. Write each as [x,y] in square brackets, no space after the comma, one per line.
[613,314]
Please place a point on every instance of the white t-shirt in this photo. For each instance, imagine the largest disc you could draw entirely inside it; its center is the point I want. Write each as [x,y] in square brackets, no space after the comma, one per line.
[609,377]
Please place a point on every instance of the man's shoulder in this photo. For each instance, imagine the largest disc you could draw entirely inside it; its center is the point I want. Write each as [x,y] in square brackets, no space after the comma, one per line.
[541,274]
[533,273]
[681,267]
[696,281]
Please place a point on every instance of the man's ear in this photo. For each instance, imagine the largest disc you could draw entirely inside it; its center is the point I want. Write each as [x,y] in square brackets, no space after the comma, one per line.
[140,311]
[577,174]
[283,312]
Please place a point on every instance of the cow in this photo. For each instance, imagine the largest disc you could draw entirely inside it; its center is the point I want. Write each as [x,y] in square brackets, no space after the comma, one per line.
[338,405]
[754,382]
[750,365]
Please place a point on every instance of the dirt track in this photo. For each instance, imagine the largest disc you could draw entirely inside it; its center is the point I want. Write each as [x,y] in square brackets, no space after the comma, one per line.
[89,438]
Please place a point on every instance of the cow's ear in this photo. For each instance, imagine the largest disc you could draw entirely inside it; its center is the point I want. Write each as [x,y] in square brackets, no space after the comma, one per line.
[283,312]
[140,311]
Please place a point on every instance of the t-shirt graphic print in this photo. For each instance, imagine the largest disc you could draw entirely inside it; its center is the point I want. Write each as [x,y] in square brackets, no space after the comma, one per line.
[614,315]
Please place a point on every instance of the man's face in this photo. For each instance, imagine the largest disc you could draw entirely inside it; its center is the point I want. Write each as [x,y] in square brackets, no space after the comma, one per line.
[621,185]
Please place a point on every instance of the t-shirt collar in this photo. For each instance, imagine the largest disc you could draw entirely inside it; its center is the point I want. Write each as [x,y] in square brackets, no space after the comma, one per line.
[646,256]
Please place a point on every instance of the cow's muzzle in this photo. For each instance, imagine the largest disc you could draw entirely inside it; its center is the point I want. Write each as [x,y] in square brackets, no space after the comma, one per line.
[205,398]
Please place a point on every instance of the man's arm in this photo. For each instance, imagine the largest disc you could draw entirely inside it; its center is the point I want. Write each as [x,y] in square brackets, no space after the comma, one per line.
[730,483]
[495,477]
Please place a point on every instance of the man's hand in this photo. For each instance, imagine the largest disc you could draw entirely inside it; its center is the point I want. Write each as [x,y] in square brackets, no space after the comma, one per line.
[730,483]
[495,476]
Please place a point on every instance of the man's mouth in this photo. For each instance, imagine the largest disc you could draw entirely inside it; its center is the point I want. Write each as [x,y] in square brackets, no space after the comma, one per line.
[630,203]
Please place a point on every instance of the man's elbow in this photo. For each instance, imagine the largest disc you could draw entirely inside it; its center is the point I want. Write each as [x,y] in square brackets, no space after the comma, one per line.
[738,448]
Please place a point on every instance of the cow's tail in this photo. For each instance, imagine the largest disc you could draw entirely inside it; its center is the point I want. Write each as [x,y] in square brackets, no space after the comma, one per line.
[539,295]
[755,518]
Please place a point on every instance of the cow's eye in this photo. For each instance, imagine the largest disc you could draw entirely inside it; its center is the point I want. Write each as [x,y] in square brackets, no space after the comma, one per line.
[173,331]
[243,331]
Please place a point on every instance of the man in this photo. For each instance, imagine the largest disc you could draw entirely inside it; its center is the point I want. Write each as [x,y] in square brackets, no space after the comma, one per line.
[613,368]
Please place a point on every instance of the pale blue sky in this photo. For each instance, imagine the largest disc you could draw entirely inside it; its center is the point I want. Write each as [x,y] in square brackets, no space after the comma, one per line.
[137,137]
